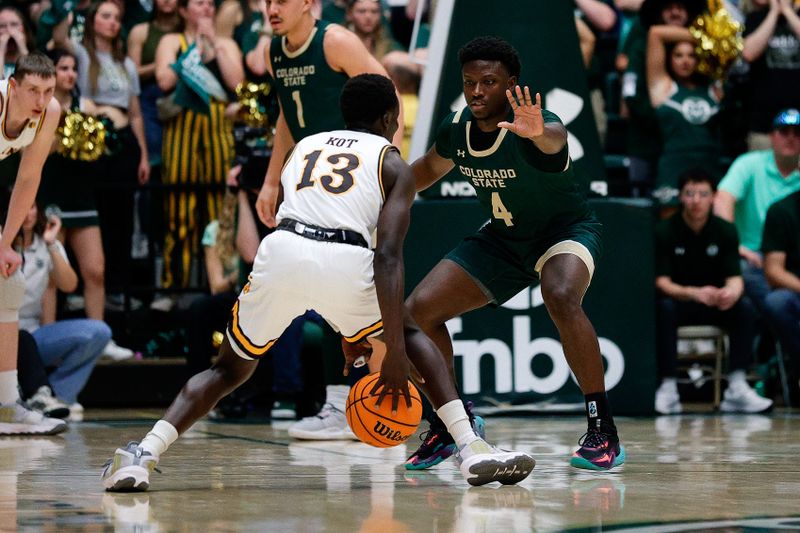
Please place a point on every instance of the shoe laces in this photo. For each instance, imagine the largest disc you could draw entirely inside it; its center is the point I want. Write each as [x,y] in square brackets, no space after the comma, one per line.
[327,410]
[594,438]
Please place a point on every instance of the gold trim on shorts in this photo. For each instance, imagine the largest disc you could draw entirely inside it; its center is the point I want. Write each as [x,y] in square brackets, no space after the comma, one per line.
[567,247]
[365,332]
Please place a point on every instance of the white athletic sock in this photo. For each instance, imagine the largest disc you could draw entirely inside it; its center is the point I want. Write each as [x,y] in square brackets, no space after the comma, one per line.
[9,393]
[456,420]
[336,395]
[160,438]
[737,377]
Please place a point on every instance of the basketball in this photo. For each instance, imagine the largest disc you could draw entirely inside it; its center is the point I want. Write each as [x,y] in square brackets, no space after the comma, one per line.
[377,425]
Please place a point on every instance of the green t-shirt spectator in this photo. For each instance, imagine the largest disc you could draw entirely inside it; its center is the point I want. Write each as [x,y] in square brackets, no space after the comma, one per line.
[756,183]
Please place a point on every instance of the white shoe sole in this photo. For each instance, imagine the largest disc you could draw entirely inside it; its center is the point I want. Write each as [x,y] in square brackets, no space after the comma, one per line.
[128,479]
[337,434]
[11,429]
[508,468]
[736,408]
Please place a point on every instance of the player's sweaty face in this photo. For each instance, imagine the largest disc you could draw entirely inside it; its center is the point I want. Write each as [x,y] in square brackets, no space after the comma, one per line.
[485,84]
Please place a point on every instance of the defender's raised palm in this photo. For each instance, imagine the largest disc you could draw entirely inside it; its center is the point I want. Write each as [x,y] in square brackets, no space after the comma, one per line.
[528,120]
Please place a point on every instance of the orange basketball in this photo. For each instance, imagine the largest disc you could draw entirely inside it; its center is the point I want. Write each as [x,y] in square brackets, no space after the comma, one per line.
[377,425]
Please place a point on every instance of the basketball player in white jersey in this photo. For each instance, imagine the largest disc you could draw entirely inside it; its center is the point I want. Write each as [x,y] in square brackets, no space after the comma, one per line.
[339,187]
[29,116]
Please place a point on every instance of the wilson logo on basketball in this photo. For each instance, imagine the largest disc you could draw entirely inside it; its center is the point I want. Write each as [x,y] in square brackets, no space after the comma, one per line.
[389,433]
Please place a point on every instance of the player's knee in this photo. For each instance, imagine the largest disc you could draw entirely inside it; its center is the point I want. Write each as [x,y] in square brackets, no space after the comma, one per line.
[12,292]
[561,299]
[421,312]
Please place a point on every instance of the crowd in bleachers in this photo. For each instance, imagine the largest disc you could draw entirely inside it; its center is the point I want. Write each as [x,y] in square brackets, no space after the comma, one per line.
[154,221]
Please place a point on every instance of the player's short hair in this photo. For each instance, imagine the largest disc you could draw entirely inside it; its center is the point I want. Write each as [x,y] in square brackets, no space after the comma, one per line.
[491,48]
[365,98]
[34,64]
[697,175]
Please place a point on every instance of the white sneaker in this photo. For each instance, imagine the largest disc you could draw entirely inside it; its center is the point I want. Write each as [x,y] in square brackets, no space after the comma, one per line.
[116,352]
[45,402]
[739,397]
[481,463]
[75,412]
[129,470]
[668,402]
[18,419]
[329,424]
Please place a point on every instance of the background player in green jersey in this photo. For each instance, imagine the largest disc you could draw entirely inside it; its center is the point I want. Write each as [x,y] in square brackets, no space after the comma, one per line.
[516,156]
[310,61]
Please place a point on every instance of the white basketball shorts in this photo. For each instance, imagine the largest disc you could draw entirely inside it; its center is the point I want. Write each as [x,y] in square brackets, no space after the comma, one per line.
[293,274]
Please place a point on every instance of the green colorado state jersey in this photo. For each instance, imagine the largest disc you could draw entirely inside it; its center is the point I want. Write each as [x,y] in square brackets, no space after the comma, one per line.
[524,201]
[308,88]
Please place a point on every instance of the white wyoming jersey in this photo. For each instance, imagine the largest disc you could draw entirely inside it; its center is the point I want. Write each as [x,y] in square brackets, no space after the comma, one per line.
[333,180]
[9,145]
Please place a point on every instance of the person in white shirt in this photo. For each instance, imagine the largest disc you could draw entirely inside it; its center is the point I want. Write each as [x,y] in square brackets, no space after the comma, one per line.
[69,347]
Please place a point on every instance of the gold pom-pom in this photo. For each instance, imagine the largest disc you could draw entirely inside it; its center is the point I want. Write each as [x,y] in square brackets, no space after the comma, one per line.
[81,137]
[251,96]
[719,40]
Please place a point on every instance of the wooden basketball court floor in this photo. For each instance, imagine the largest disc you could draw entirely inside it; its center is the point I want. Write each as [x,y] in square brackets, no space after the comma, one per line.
[684,473]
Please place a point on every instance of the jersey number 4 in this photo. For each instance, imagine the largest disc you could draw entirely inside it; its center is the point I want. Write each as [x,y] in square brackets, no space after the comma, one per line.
[345,172]
[499,211]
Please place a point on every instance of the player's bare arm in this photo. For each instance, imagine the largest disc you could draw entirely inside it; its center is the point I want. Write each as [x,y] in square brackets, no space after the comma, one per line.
[389,275]
[267,201]
[528,122]
[345,52]
[27,183]
[430,168]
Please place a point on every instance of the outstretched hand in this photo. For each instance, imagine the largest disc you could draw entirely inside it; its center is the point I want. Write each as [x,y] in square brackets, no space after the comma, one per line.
[528,120]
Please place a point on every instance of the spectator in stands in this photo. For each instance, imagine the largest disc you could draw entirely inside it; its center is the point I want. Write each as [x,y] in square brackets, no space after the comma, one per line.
[69,347]
[755,181]
[781,248]
[142,43]
[686,105]
[240,20]
[69,186]
[644,141]
[34,387]
[772,47]
[364,19]
[209,313]
[55,14]
[198,140]
[14,38]
[700,283]
[109,79]
[593,18]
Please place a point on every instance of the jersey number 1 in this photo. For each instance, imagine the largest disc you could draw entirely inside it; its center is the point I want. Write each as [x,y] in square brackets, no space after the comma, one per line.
[499,211]
[299,104]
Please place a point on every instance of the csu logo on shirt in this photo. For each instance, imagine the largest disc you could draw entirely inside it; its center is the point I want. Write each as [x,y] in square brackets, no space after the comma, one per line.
[680,250]
[696,110]
[712,250]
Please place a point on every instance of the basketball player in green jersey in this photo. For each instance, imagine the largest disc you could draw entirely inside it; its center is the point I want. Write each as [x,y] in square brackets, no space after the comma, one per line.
[310,60]
[515,155]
